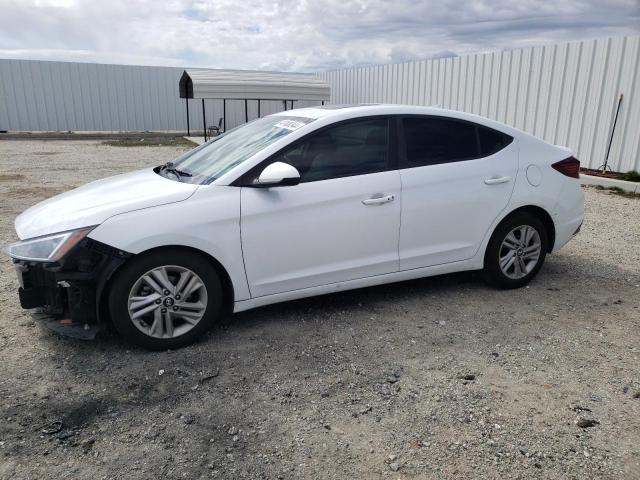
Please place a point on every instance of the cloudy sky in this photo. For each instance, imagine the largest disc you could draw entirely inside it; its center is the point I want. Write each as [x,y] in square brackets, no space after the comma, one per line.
[299,35]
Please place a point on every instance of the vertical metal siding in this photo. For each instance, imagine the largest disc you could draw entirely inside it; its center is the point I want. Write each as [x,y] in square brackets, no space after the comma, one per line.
[61,96]
[564,93]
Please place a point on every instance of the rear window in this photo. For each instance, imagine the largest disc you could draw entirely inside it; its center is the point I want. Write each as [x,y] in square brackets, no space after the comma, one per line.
[435,140]
[492,141]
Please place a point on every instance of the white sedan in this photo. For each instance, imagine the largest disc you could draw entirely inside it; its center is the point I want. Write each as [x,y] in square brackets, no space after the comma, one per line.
[301,203]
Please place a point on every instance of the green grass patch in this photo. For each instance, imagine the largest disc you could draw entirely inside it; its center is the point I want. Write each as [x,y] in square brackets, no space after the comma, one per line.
[619,191]
[149,142]
[631,176]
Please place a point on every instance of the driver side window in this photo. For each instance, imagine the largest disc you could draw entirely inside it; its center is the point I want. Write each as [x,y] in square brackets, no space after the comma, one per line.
[354,148]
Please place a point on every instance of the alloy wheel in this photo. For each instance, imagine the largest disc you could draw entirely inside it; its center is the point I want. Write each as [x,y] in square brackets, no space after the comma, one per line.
[520,252]
[167,302]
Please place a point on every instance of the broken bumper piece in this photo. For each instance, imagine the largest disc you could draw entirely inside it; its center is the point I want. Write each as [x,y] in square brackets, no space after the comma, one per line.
[66,296]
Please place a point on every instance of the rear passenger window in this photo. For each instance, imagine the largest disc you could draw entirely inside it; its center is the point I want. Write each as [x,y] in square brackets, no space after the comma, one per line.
[434,140]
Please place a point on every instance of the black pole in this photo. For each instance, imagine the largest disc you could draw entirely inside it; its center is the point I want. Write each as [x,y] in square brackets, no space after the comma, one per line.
[204,121]
[258,108]
[246,111]
[323,103]
[613,129]
[285,105]
[188,128]
[224,114]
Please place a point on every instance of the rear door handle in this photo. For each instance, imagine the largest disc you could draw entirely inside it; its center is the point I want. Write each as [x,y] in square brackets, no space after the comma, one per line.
[379,200]
[497,180]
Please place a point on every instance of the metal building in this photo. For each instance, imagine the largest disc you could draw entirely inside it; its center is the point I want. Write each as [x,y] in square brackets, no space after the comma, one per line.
[60,96]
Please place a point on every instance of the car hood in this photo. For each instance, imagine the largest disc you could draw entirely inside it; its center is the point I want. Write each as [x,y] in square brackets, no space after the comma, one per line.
[94,202]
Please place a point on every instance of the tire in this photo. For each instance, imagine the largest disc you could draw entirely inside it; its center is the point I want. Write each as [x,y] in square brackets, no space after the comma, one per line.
[525,264]
[163,318]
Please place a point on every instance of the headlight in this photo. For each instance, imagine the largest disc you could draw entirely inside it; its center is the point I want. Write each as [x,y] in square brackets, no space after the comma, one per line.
[49,248]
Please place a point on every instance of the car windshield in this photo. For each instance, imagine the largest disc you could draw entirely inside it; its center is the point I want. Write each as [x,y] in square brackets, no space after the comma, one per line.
[219,155]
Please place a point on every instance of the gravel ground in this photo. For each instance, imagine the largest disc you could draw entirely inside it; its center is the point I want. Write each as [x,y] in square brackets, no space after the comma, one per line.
[435,378]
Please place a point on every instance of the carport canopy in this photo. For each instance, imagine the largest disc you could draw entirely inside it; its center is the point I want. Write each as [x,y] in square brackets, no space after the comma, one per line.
[252,85]
[249,85]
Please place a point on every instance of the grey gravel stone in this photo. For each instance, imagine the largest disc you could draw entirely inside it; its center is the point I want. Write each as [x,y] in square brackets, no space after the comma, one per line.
[557,343]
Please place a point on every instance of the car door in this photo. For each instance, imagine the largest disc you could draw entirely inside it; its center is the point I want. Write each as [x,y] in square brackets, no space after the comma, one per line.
[457,177]
[341,222]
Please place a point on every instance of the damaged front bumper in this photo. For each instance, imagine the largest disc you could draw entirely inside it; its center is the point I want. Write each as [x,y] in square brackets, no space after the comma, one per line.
[66,296]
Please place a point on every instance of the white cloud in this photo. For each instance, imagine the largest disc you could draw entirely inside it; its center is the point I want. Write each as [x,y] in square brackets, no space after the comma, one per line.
[294,34]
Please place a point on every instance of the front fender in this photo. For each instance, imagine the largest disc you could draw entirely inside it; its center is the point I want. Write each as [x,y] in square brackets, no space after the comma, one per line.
[208,221]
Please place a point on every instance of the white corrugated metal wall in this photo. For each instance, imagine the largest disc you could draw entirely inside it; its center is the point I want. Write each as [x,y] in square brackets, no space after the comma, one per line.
[61,96]
[564,93]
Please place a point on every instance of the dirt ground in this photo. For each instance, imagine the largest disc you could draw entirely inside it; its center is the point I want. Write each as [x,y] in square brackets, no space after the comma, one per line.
[436,378]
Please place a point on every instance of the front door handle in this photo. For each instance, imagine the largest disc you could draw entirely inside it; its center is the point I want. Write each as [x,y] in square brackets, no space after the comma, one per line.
[497,180]
[379,199]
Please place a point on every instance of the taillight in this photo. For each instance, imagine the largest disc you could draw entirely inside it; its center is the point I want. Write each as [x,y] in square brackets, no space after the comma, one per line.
[569,167]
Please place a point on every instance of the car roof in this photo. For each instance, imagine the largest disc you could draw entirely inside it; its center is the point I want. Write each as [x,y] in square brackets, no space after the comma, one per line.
[334,113]
[361,109]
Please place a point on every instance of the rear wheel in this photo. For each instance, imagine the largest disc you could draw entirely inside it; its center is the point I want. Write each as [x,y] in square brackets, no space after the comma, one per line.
[516,251]
[165,299]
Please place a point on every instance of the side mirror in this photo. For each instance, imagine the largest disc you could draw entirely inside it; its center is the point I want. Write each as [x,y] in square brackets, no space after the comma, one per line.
[278,174]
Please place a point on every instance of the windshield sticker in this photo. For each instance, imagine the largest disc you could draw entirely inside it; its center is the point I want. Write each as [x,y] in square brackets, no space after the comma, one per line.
[289,124]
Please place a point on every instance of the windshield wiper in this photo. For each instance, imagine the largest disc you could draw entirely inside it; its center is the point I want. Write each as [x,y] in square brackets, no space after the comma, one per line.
[169,167]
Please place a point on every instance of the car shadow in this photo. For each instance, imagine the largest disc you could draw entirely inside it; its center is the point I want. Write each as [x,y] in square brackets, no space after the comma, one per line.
[559,271]
[349,301]
[344,302]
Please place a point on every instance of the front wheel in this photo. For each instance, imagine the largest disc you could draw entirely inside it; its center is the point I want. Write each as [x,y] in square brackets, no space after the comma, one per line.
[516,251]
[165,299]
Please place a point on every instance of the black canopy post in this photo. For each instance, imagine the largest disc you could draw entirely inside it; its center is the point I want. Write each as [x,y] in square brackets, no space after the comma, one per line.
[224,114]
[246,111]
[186,100]
[258,108]
[204,121]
